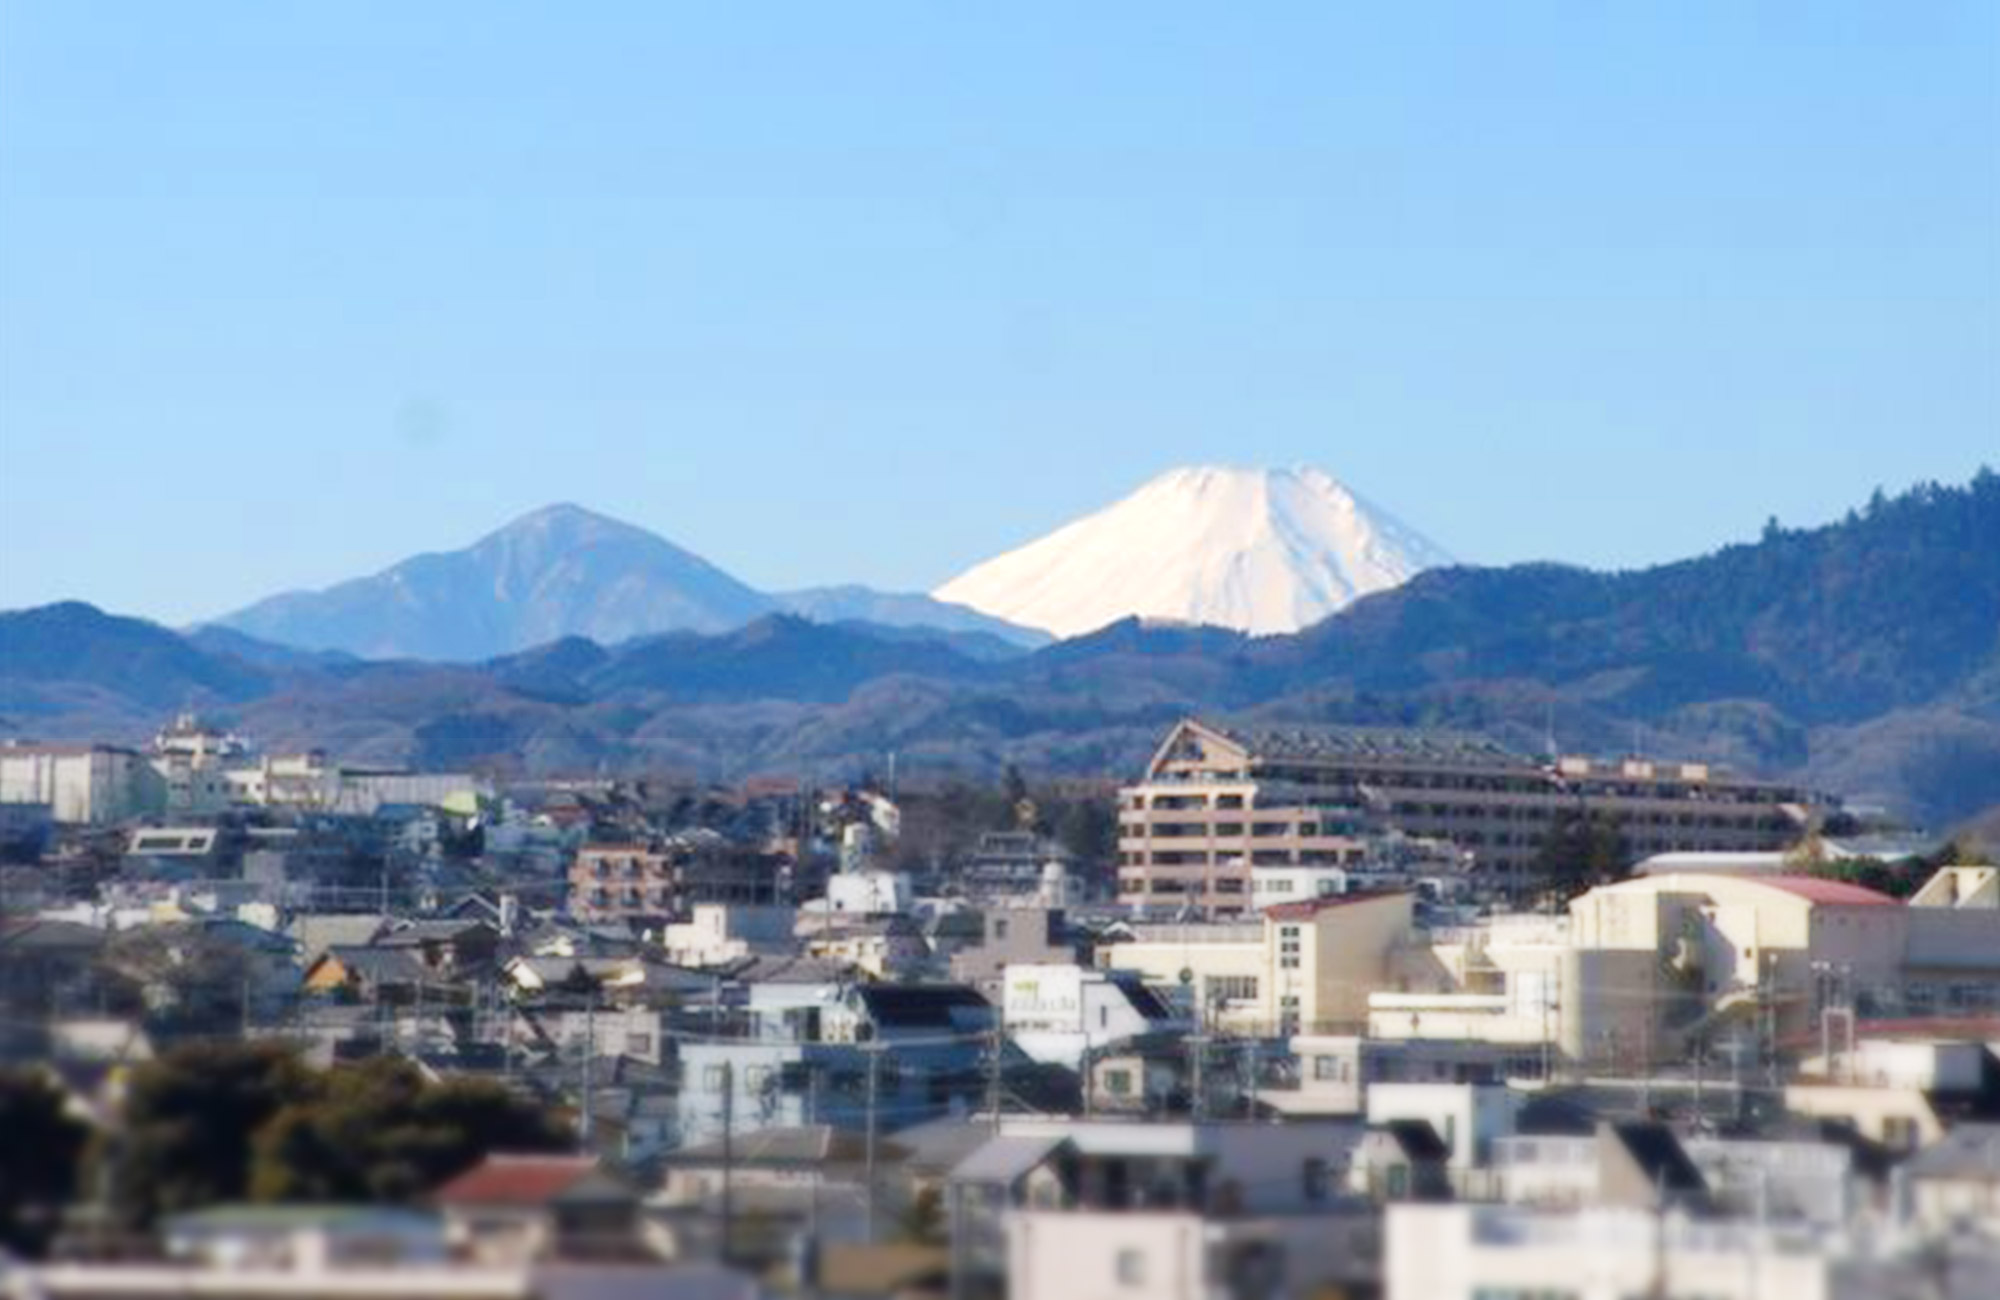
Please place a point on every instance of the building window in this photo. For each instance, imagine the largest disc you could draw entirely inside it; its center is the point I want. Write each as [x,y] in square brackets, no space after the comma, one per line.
[1230,988]
[715,1078]
[1118,1082]
[1131,1268]
[1326,1069]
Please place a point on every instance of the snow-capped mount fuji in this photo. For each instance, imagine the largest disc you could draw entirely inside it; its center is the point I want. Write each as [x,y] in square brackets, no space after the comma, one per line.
[1259,550]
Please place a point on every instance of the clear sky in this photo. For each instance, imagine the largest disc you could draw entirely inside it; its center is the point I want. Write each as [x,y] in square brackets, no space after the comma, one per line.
[868,292]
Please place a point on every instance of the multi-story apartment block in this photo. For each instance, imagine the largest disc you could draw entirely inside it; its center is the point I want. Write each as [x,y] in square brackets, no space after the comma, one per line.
[665,879]
[1217,801]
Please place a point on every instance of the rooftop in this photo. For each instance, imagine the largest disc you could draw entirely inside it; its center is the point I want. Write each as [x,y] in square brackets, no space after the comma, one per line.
[1393,744]
[1312,907]
[526,1180]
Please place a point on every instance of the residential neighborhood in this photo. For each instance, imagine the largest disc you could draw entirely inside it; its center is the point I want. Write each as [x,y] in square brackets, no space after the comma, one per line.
[762,1041]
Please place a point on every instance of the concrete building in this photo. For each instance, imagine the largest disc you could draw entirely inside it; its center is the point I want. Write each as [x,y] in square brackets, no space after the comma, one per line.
[721,933]
[1300,967]
[1009,865]
[1079,1210]
[1497,980]
[1217,801]
[1657,962]
[1009,936]
[1333,1072]
[84,785]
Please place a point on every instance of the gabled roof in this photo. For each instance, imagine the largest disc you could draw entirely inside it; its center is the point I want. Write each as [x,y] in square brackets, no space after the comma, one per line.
[378,965]
[434,931]
[526,1181]
[315,932]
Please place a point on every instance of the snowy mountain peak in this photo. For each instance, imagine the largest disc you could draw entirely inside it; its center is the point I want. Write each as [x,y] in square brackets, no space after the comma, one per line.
[1261,550]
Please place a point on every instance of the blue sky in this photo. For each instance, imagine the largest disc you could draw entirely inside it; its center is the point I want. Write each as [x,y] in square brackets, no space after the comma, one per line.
[869,292]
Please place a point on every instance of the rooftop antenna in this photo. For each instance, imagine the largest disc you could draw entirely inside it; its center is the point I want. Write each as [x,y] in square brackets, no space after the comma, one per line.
[1549,728]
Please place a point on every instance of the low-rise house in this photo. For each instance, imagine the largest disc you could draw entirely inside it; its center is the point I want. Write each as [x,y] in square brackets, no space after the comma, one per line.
[1066,1014]
[878,947]
[1331,1073]
[369,974]
[451,949]
[810,1052]
[314,933]
[720,933]
[790,1189]
[512,1209]
[1080,1209]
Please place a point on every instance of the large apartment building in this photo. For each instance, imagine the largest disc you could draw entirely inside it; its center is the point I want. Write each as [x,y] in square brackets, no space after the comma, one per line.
[1216,801]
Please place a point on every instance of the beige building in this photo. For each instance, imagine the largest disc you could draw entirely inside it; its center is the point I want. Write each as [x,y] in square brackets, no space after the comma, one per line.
[1216,801]
[91,785]
[1657,961]
[1300,967]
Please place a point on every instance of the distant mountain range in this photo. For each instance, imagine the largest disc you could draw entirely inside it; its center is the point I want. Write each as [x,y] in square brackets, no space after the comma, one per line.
[560,572]
[1864,656]
[1255,550]
[1258,550]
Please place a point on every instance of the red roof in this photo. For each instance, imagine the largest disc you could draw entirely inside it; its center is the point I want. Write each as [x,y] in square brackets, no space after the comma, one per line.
[1314,906]
[516,1180]
[1836,892]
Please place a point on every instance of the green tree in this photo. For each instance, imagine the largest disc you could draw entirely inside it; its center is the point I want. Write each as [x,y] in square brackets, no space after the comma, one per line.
[41,1155]
[378,1131]
[190,1118]
[1580,851]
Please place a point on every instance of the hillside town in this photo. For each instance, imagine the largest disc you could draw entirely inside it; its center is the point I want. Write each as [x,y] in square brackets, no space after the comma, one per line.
[1289,1012]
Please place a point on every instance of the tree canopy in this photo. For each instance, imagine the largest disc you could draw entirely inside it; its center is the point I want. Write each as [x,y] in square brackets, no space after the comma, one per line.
[226,1122]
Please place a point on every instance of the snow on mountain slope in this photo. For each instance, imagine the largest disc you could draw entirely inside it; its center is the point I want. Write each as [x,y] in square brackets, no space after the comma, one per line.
[1257,550]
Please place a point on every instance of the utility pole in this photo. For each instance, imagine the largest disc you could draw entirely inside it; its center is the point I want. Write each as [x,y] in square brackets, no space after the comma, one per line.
[1197,1049]
[868,1188]
[584,1123]
[994,1043]
[728,1161]
[811,1281]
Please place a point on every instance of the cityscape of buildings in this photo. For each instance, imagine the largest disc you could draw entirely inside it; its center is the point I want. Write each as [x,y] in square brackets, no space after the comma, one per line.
[1311,1012]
